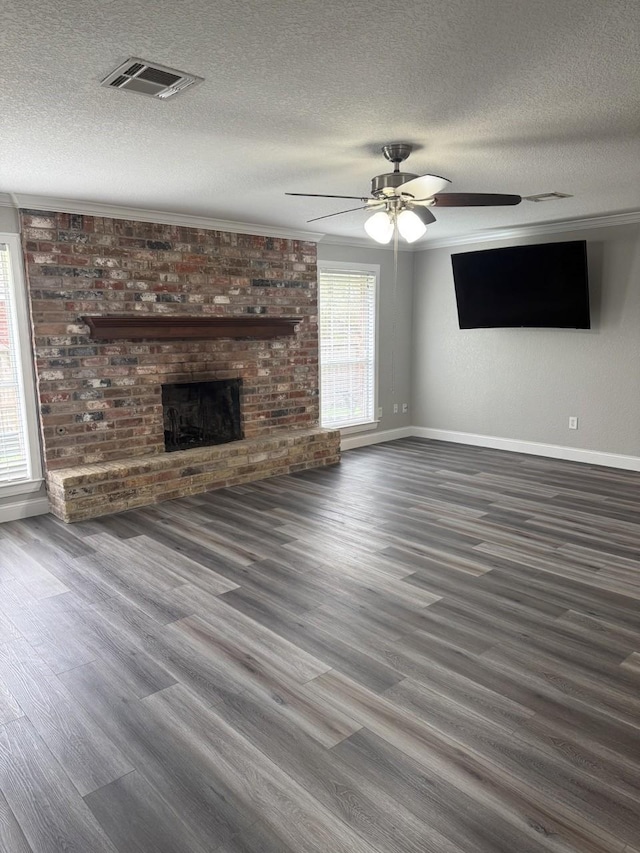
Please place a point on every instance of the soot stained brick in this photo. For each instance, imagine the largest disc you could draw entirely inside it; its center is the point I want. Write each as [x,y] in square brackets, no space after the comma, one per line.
[87,417]
[274,282]
[76,272]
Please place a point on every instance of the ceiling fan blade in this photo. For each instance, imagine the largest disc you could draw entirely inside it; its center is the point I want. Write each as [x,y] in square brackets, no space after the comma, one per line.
[340,212]
[475,199]
[425,186]
[425,215]
[322,195]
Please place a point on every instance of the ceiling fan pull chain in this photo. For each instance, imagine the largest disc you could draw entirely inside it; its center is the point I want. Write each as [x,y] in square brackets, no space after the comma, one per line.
[395,309]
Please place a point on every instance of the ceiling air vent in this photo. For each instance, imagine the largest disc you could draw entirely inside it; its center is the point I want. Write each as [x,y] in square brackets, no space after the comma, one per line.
[146,78]
[547,196]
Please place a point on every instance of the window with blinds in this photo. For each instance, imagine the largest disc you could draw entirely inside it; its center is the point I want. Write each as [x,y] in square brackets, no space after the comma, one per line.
[347,321]
[15,461]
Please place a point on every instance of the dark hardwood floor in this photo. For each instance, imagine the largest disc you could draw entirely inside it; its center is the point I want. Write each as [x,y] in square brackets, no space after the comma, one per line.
[430,648]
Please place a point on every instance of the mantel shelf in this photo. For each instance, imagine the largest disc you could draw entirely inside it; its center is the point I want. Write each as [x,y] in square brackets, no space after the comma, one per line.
[180,328]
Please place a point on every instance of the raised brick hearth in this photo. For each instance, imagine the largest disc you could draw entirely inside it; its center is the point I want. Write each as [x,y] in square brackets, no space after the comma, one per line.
[87,491]
[101,402]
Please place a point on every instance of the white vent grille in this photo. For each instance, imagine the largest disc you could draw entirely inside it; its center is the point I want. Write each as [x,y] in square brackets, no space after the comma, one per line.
[547,196]
[151,79]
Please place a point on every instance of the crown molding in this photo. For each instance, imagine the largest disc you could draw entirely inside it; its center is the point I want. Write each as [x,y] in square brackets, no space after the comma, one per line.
[538,229]
[363,243]
[161,217]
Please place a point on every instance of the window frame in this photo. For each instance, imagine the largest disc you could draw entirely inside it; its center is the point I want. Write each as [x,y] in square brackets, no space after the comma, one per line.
[21,324]
[350,266]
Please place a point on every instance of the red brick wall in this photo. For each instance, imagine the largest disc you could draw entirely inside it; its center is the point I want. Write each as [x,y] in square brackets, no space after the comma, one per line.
[101,401]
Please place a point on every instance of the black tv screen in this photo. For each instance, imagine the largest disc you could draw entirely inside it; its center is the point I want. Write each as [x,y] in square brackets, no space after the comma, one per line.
[543,286]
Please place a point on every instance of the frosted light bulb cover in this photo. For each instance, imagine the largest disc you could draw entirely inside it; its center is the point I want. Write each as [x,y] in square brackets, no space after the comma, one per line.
[411,226]
[379,227]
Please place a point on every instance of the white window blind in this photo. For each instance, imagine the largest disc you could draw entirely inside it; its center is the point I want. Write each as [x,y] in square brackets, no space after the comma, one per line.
[15,463]
[347,347]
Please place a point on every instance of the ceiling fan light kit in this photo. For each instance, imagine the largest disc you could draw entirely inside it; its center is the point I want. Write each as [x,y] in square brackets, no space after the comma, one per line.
[379,227]
[406,198]
[412,224]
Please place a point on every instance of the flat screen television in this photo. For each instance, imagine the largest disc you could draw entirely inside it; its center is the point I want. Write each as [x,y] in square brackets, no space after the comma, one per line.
[543,286]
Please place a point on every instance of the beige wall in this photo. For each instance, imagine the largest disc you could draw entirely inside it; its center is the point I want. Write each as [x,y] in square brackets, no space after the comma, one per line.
[525,383]
[394,325]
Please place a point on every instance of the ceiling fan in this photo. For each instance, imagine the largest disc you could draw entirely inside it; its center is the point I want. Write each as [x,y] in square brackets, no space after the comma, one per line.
[402,199]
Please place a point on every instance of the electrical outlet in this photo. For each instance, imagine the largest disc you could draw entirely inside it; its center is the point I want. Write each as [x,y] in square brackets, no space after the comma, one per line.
[395,408]
[573,422]
[405,408]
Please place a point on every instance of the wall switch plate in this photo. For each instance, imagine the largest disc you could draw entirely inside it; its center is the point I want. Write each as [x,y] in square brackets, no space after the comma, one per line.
[379,412]
[405,408]
[395,408]
[573,423]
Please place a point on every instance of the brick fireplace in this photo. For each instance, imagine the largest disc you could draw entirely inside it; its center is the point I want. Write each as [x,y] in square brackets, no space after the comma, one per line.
[101,399]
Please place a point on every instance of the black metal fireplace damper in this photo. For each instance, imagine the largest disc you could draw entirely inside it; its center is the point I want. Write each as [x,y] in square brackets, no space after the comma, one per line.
[197,414]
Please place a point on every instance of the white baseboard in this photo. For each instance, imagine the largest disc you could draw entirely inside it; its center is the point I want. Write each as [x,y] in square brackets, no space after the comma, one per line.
[23,507]
[535,448]
[350,442]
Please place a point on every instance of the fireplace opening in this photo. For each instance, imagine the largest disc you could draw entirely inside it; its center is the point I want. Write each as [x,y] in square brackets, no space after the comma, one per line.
[197,414]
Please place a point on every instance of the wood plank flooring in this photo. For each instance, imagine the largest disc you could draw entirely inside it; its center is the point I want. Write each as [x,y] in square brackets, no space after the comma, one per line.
[430,648]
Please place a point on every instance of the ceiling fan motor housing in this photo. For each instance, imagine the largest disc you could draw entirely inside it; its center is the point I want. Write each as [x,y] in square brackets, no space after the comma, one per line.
[386,184]
[383,185]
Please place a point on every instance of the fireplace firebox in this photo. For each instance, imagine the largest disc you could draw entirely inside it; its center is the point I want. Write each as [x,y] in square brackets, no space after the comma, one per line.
[197,414]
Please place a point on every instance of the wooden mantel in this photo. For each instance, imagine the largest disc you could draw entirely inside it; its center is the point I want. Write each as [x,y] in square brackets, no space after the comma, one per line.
[180,328]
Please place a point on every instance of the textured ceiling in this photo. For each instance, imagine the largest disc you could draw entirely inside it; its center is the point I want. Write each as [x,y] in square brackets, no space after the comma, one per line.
[512,96]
